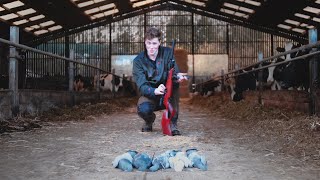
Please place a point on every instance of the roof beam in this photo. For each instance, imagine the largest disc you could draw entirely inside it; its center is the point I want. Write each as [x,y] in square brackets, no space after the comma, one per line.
[179,6]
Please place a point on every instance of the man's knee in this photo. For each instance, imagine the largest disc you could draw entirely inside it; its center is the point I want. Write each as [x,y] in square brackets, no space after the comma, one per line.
[145,108]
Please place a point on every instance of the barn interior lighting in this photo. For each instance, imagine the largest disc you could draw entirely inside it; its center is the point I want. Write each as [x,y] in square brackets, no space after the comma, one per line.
[97,12]
[113,11]
[302,31]
[289,21]
[13,4]
[26,12]
[100,15]
[54,28]
[97,1]
[91,11]
[312,10]
[28,29]
[35,26]
[239,14]
[20,22]
[255,3]
[34,18]
[40,32]
[284,26]
[108,6]
[316,19]
[302,16]
[8,16]
[197,2]
[47,23]
[240,8]
[84,4]
[141,3]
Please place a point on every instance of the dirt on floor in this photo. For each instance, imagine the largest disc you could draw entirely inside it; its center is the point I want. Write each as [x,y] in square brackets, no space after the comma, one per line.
[240,141]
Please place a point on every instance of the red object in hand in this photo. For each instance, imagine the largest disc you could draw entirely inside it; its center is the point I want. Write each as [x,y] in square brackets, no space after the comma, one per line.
[169,112]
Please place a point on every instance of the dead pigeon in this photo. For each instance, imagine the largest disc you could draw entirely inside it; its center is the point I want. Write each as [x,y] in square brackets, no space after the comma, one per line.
[162,161]
[197,160]
[142,161]
[124,161]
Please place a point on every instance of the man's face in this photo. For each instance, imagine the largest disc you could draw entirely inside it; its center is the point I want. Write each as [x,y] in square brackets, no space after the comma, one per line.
[152,46]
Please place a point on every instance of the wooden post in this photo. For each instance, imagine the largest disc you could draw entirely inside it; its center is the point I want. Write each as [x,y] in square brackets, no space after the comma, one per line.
[13,71]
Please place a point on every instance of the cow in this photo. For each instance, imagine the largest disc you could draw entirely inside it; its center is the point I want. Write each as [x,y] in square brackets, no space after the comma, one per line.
[242,82]
[294,74]
[128,88]
[106,82]
[82,83]
[208,88]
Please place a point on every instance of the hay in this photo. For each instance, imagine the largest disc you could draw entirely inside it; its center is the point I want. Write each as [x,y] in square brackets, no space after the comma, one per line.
[276,130]
[76,113]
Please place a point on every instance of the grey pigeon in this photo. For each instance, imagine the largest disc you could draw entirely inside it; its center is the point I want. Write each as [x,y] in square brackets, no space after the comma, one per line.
[197,160]
[162,161]
[124,161]
[142,161]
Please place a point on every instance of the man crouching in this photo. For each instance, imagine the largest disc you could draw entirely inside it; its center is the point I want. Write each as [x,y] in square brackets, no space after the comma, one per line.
[150,72]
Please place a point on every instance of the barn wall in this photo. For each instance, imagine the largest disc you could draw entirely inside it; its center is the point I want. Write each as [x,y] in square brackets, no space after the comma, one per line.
[99,46]
[5,104]
[33,102]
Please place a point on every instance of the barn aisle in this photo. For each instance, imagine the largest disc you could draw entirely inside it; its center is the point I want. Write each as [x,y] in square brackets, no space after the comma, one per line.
[85,150]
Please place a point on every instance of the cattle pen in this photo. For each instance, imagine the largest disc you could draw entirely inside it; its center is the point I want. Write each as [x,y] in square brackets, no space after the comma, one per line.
[69,89]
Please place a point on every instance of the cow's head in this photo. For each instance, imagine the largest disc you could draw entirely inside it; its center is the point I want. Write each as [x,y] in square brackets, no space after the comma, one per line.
[117,81]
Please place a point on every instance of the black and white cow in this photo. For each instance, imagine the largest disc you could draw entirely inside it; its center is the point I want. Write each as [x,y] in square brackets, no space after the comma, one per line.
[82,83]
[294,74]
[106,82]
[208,88]
[128,88]
[240,83]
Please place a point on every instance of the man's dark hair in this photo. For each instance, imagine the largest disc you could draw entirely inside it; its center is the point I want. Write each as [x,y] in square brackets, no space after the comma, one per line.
[153,32]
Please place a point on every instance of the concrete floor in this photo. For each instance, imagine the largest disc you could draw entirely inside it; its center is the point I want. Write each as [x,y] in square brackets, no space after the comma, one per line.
[86,149]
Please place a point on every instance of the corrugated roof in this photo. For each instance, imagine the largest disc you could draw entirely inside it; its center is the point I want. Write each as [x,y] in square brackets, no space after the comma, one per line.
[45,18]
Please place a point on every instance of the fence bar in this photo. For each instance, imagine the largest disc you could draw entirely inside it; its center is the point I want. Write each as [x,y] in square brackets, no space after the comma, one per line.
[13,71]
[46,53]
[304,47]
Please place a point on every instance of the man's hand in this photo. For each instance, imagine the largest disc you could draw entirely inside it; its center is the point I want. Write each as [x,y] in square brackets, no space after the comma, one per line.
[182,77]
[160,90]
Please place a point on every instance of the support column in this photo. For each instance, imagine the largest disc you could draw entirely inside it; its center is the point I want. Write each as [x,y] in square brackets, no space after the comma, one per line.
[71,77]
[192,49]
[13,71]
[260,57]
[313,68]
[71,71]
